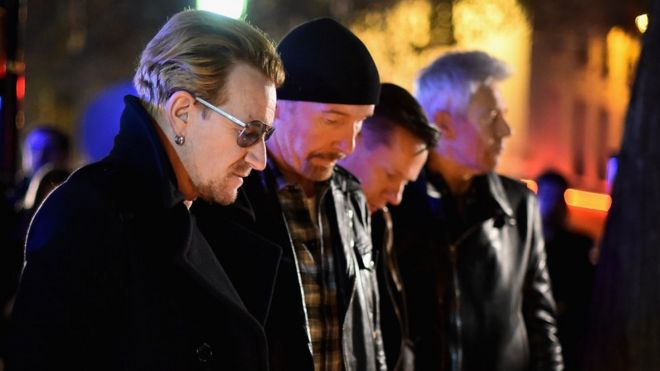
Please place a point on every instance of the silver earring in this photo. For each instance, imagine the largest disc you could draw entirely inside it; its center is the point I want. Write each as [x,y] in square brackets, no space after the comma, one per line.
[179,139]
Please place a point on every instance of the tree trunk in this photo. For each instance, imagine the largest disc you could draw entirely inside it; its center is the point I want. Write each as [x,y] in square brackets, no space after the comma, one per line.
[625,322]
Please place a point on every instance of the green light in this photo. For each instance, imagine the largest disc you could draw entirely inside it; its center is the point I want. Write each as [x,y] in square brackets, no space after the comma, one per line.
[230,8]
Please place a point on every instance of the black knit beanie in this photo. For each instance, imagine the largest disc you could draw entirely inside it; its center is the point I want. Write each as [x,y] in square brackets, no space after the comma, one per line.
[326,63]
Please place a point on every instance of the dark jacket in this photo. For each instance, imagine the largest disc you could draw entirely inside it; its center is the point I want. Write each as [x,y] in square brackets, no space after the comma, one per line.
[119,277]
[259,210]
[572,276]
[478,290]
[393,309]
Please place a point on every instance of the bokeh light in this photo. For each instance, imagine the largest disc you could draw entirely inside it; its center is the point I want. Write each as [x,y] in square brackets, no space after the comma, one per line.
[230,8]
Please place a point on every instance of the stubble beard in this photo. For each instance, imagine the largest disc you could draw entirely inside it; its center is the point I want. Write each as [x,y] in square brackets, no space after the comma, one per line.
[220,191]
[318,173]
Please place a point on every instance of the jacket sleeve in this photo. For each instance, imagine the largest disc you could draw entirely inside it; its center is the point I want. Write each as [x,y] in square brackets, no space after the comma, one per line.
[65,287]
[539,305]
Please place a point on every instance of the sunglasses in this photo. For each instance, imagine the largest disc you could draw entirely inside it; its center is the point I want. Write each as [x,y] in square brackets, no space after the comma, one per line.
[252,131]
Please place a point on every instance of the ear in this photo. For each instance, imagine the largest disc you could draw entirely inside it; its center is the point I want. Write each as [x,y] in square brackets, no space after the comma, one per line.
[359,138]
[445,124]
[178,110]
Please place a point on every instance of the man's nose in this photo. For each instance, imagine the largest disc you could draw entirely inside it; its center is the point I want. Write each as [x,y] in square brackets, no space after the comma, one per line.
[503,128]
[346,143]
[256,155]
[395,196]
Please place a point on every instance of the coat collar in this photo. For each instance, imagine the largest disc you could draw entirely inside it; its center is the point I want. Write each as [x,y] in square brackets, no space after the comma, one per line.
[434,186]
[138,148]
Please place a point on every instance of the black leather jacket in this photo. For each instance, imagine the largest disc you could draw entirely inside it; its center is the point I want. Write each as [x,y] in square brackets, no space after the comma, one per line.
[393,309]
[478,290]
[258,209]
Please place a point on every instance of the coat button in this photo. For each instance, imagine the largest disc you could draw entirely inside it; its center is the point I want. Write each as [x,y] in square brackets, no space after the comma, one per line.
[204,353]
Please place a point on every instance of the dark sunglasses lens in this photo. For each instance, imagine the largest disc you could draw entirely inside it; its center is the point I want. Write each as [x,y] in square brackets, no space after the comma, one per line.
[253,133]
[269,132]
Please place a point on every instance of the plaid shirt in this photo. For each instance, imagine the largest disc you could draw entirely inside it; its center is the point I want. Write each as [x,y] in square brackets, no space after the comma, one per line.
[308,224]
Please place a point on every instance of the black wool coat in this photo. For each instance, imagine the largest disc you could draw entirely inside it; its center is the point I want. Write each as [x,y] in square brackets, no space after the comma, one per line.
[119,277]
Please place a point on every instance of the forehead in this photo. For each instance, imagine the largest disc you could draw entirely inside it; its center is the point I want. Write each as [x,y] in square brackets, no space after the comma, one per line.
[350,111]
[486,96]
[40,137]
[251,91]
[400,150]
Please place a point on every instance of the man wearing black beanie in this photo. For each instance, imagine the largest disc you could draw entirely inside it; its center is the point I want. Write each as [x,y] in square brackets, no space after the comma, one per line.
[324,313]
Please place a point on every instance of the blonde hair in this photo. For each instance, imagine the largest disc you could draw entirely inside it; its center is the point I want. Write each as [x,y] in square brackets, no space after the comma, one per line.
[196,50]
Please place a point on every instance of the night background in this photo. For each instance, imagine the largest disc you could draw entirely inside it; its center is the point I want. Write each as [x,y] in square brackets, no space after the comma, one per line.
[68,63]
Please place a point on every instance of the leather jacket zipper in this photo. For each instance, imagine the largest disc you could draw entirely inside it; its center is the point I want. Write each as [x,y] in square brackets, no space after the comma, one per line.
[456,341]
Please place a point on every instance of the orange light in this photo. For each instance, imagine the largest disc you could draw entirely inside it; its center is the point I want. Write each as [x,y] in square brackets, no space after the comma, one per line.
[531,185]
[588,200]
[20,87]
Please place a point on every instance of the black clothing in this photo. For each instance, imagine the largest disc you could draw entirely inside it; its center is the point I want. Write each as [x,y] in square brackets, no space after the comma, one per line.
[393,309]
[119,277]
[572,276]
[11,262]
[475,274]
[259,210]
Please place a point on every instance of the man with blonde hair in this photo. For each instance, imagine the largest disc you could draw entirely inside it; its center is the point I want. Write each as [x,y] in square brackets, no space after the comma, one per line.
[118,276]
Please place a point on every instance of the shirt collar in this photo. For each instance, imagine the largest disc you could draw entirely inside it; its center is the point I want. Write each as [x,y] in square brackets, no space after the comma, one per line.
[282,184]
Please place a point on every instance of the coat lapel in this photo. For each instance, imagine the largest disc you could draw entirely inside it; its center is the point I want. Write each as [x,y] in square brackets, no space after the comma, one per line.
[197,258]
[251,262]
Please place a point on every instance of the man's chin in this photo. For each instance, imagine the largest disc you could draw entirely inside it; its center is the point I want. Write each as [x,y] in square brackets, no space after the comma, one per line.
[224,197]
[318,173]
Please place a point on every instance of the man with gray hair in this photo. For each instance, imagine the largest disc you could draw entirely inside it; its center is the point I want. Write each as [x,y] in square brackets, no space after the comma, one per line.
[470,246]
[118,274]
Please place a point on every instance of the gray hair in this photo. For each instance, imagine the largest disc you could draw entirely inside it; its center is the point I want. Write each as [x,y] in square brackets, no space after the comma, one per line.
[448,83]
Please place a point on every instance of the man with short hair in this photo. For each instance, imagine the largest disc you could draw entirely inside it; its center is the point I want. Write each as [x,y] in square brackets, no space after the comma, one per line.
[470,245]
[45,146]
[390,152]
[118,275]
[324,315]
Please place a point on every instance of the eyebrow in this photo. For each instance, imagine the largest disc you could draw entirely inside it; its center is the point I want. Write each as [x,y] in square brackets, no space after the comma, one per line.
[344,114]
[261,121]
[332,111]
[422,150]
[398,173]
